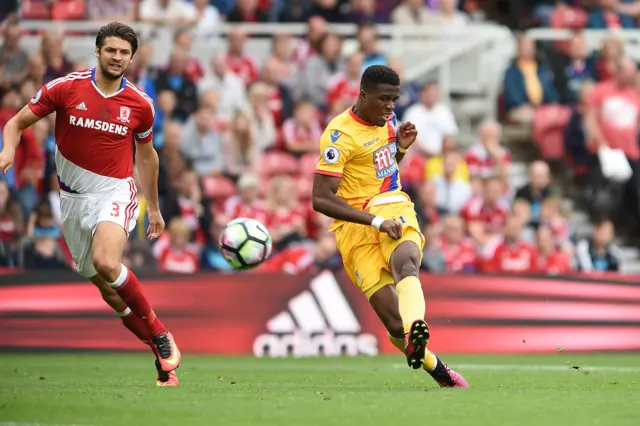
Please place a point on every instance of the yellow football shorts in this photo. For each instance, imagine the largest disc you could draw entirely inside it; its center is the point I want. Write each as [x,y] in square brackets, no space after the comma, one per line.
[366,251]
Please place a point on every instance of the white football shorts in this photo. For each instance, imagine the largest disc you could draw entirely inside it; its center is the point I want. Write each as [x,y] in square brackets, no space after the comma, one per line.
[81,214]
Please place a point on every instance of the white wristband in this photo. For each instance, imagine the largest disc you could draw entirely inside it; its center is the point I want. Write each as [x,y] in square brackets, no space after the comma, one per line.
[377,221]
[402,150]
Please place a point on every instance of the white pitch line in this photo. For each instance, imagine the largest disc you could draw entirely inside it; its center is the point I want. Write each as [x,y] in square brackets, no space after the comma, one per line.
[514,367]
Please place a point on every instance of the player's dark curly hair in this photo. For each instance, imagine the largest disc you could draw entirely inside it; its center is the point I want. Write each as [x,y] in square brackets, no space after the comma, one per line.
[378,74]
[119,30]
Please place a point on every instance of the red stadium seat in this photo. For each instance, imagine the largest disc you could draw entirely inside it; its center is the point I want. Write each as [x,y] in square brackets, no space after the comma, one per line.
[308,164]
[278,162]
[304,186]
[35,9]
[218,188]
[549,123]
[68,10]
[567,17]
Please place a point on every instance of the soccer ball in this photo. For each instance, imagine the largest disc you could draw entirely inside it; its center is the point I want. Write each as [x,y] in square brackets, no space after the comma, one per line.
[245,243]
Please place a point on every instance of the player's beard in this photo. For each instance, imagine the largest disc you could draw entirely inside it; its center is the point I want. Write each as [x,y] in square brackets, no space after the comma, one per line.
[110,75]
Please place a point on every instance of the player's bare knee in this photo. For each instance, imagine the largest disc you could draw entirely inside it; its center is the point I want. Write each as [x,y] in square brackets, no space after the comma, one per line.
[406,261]
[108,266]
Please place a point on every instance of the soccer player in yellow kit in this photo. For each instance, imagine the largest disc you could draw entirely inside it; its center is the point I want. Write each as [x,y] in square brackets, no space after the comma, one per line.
[357,183]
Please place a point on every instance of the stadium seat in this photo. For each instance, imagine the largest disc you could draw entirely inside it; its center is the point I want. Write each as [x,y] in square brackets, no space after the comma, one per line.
[278,162]
[218,187]
[308,164]
[549,123]
[68,10]
[35,9]
[568,17]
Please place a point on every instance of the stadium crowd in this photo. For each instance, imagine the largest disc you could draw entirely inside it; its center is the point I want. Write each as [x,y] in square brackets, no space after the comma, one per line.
[237,138]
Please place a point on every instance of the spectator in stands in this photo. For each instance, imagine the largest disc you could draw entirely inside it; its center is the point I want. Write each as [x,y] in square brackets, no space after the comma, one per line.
[54,55]
[141,72]
[282,53]
[261,116]
[488,156]
[13,59]
[433,119]
[241,146]
[433,259]
[111,10]
[36,69]
[301,133]
[187,203]
[452,193]
[606,16]
[460,254]
[41,249]
[344,87]
[319,70]
[486,215]
[574,137]
[330,10]
[611,120]
[550,260]
[12,225]
[599,253]
[311,43]
[284,218]
[527,84]
[537,189]
[246,202]
[522,209]
[167,12]
[171,159]
[183,41]
[179,256]
[366,11]
[411,12]
[368,44]
[164,111]
[211,258]
[230,87]
[513,254]
[27,89]
[552,217]
[572,70]
[409,91]
[280,98]
[247,11]
[450,18]
[427,204]
[207,23]
[611,52]
[202,144]
[176,79]
[543,9]
[325,252]
[434,165]
[238,62]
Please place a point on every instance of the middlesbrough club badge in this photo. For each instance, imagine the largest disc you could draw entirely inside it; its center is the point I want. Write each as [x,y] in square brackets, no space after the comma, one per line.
[125,113]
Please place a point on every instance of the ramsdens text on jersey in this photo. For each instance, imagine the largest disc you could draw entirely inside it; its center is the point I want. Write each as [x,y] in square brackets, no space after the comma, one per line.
[89,123]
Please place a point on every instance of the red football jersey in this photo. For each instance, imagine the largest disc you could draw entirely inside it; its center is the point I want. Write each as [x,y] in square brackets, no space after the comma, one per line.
[518,257]
[480,163]
[556,264]
[244,67]
[235,208]
[94,133]
[461,257]
[493,217]
[342,89]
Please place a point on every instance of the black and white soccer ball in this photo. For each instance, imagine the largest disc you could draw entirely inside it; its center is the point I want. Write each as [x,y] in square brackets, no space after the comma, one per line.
[245,243]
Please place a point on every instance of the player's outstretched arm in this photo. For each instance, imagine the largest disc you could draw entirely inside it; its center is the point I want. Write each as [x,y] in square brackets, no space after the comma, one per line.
[326,201]
[11,136]
[148,166]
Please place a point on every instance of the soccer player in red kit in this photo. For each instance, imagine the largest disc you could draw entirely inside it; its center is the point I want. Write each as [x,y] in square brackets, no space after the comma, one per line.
[99,114]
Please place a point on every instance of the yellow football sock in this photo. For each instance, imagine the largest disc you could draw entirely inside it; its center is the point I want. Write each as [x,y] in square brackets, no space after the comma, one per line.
[411,301]
[398,342]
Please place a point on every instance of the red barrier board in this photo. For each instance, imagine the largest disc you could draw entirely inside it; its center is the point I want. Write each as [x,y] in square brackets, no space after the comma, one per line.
[276,314]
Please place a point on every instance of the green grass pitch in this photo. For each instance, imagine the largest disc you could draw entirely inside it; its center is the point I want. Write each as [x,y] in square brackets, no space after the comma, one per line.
[119,389]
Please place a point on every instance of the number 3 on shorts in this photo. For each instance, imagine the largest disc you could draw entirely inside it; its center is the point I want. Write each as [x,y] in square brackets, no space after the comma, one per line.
[115,209]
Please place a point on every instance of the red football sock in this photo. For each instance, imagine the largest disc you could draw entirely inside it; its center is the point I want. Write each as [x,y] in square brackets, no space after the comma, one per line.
[129,289]
[136,326]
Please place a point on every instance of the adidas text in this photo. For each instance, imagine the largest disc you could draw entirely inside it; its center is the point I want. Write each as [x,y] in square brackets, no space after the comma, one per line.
[325,344]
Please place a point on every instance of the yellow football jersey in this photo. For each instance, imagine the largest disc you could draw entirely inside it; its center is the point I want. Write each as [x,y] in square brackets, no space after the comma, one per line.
[363,155]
